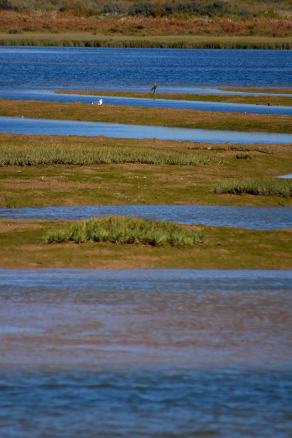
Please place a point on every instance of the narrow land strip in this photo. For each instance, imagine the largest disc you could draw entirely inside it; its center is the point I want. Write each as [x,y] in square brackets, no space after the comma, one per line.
[147,116]
[254,100]
[22,246]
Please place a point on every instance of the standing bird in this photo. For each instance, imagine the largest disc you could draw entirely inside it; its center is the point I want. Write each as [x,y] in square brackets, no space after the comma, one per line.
[154,88]
[98,102]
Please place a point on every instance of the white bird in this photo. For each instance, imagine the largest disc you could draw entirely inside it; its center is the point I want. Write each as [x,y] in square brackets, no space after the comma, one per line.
[98,102]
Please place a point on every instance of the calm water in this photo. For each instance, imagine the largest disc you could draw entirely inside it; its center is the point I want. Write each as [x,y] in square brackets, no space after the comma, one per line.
[255,218]
[145,353]
[49,96]
[288,176]
[51,68]
[117,130]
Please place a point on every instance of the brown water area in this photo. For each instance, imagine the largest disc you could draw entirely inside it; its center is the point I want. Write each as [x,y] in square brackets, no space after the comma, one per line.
[144,322]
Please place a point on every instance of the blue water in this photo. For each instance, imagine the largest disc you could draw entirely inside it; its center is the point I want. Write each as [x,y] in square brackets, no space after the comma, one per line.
[49,96]
[17,125]
[159,405]
[254,218]
[145,353]
[81,68]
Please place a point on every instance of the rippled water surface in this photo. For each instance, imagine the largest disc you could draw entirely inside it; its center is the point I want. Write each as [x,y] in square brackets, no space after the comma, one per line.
[257,218]
[94,319]
[66,127]
[42,67]
[153,353]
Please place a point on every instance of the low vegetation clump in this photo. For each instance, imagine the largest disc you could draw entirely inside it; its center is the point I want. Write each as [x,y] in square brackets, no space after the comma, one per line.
[126,230]
[85,155]
[277,188]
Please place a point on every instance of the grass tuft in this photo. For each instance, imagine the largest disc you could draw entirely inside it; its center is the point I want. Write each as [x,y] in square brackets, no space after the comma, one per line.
[126,230]
[269,187]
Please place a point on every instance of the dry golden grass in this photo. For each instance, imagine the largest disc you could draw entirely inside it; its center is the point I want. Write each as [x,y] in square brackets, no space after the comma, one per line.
[59,22]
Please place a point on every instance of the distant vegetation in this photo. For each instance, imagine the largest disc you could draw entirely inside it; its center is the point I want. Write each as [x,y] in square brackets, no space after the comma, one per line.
[271,187]
[146,18]
[126,230]
[147,8]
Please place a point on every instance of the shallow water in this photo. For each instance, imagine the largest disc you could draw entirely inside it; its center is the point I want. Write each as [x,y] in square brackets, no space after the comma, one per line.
[17,125]
[288,176]
[49,96]
[153,353]
[254,218]
[151,319]
[82,68]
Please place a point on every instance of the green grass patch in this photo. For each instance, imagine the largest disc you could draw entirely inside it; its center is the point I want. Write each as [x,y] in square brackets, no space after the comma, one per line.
[81,155]
[124,230]
[29,185]
[271,187]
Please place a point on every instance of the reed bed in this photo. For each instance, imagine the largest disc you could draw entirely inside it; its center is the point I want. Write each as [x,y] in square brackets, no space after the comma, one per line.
[11,155]
[212,42]
[269,187]
[125,230]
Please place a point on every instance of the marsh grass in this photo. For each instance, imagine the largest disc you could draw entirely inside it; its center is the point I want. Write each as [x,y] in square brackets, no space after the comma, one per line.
[168,117]
[71,39]
[268,187]
[125,230]
[11,155]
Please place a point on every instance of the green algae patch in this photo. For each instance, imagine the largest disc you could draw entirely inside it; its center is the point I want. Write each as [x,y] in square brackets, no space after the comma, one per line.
[124,230]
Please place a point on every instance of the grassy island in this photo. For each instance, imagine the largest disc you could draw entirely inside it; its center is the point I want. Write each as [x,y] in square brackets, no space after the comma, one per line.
[124,230]
[22,246]
[179,118]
